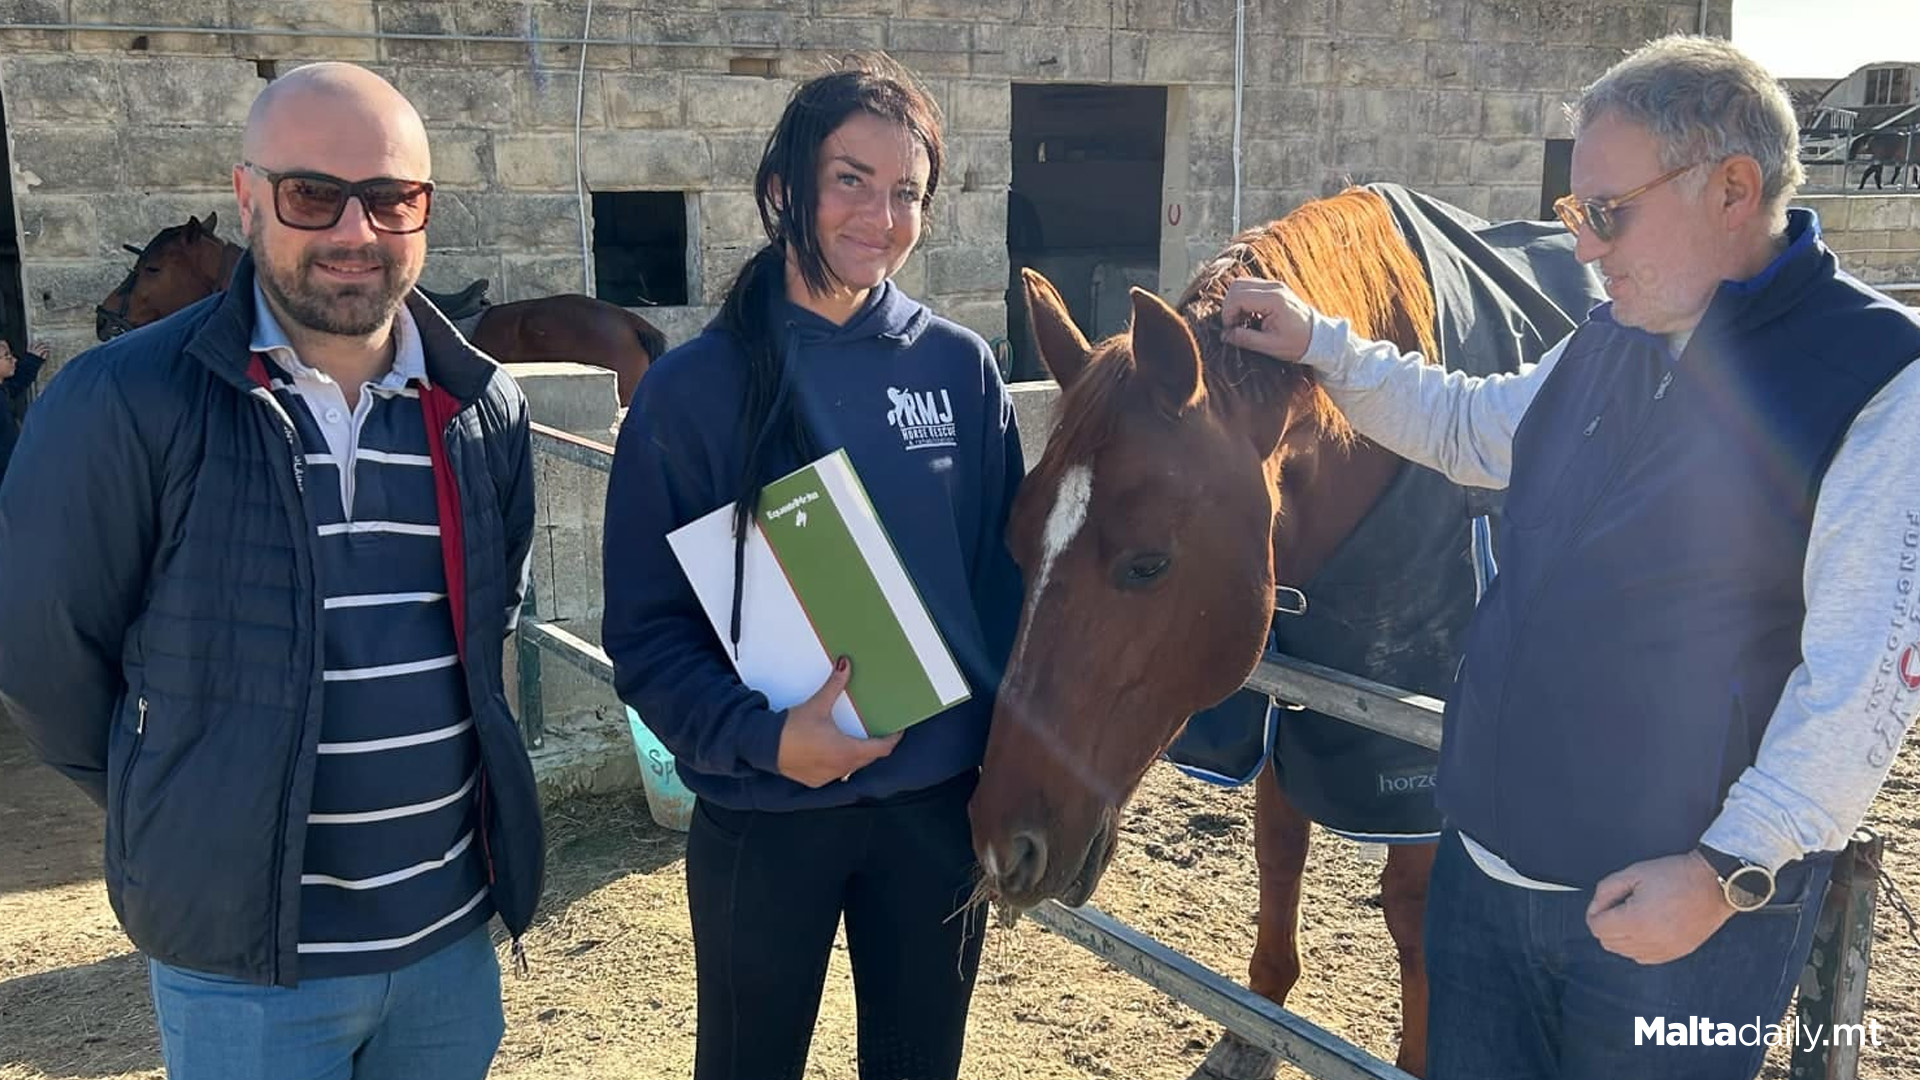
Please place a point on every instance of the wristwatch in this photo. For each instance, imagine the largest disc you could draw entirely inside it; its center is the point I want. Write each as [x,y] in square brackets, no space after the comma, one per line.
[1747,886]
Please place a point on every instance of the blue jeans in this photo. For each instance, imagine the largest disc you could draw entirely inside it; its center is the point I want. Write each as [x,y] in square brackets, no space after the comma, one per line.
[436,1019]
[1520,989]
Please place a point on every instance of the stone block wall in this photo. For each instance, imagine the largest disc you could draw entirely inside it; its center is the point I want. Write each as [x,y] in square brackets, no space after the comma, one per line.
[1876,236]
[106,150]
[118,133]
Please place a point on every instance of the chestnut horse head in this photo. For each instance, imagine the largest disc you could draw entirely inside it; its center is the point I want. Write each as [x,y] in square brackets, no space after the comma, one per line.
[1183,481]
[181,265]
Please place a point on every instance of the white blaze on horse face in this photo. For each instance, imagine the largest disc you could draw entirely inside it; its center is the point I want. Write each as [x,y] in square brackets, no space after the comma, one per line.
[1064,522]
[1069,515]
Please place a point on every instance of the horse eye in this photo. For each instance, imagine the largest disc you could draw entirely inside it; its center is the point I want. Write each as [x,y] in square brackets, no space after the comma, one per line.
[154,269]
[1143,570]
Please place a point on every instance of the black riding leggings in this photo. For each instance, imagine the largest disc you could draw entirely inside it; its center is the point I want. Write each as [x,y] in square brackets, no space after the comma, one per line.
[767,891]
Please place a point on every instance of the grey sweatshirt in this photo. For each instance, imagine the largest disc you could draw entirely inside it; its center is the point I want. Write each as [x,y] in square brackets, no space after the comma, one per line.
[1846,708]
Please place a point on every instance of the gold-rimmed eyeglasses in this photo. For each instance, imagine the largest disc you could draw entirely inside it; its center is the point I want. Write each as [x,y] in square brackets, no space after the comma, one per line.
[1603,215]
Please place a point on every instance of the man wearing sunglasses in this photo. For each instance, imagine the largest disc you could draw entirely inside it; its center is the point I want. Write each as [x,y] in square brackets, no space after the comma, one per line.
[260,561]
[1702,650]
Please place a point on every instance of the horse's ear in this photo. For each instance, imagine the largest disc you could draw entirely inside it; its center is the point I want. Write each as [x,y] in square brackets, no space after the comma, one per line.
[209,223]
[1063,348]
[1164,352]
[193,228]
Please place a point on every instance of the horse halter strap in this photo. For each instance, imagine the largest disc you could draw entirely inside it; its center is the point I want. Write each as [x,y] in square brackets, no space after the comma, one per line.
[117,320]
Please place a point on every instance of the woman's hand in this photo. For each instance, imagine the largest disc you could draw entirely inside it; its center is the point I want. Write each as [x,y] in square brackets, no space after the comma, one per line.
[813,751]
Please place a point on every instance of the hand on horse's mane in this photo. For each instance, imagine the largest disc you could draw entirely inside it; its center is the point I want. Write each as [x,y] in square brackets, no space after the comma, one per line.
[1266,317]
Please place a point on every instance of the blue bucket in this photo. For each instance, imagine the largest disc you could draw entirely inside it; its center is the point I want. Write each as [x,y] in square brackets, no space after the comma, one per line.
[667,798]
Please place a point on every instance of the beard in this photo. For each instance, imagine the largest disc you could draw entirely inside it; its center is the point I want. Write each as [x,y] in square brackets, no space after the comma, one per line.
[352,310]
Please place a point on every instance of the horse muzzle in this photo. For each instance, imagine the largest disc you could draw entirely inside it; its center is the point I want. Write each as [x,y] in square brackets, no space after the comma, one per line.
[108,325]
[1028,868]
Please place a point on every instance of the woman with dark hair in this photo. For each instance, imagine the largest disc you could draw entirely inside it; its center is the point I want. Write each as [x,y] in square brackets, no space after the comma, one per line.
[798,825]
[17,374]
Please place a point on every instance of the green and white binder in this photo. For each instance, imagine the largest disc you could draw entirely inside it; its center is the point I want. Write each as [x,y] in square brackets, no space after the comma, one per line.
[823,580]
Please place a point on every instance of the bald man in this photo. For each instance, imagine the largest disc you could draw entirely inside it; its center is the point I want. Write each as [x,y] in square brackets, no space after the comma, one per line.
[260,559]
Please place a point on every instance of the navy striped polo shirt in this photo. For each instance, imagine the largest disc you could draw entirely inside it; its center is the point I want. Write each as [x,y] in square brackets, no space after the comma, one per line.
[395,867]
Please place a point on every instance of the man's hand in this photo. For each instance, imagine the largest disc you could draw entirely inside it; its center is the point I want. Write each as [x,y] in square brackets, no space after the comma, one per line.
[8,365]
[1658,910]
[1266,317]
[813,751]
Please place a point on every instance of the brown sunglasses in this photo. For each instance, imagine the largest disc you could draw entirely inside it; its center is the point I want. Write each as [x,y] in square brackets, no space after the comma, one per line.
[1602,215]
[314,201]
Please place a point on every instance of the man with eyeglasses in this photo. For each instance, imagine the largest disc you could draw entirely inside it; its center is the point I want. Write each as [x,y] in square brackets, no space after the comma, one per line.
[1701,652]
[260,559]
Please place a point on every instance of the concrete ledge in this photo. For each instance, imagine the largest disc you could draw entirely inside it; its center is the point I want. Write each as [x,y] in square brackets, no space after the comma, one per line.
[576,398]
[585,753]
[1033,406]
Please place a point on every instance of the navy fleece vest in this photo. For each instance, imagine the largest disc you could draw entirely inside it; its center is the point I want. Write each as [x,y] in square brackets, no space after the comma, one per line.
[1623,667]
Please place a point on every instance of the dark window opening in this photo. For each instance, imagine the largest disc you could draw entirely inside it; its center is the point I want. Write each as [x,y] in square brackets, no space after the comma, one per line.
[1556,179]
[640,248]
[1887,86]
[764,67]
[13,300]
[1084,205]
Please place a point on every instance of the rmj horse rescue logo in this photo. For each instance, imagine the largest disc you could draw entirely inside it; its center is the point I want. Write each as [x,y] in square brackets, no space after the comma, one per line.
[924,418]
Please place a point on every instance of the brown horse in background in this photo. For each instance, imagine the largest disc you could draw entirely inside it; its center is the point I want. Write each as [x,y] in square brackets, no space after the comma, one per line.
[1185,479]
[1883,148]
[187,263]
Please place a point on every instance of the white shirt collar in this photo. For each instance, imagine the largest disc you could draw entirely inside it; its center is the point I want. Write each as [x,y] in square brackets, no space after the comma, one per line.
[409,357]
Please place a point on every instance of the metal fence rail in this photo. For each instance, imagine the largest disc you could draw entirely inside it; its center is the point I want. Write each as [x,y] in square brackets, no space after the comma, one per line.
[1833,989]
[1403,714]
[1294,1038]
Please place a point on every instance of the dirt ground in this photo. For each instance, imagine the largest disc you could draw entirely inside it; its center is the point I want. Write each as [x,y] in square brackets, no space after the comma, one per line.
[611,988]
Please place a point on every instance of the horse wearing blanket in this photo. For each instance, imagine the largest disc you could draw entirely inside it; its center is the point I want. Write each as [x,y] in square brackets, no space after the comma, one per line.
[1184,484]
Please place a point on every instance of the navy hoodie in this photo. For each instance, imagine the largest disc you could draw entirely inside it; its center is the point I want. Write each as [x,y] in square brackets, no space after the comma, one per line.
[917,403]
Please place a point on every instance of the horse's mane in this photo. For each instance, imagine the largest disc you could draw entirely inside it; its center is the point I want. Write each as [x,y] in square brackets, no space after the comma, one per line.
[1346,258]
[1090,405]
[171,234]
[178,234]
[1342,254]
